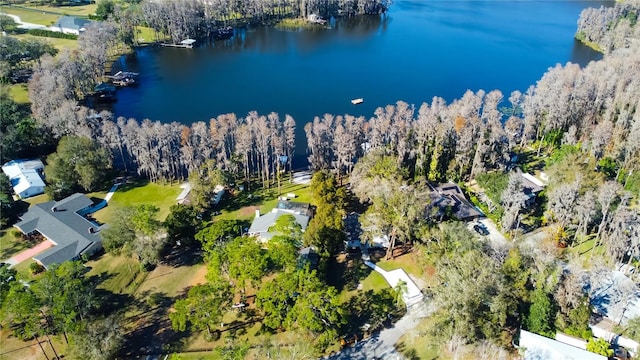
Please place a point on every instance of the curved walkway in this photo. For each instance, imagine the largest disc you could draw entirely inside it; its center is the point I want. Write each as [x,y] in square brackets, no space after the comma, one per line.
[25,25]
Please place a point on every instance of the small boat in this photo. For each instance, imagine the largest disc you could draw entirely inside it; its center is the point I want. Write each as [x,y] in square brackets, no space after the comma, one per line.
[357,101]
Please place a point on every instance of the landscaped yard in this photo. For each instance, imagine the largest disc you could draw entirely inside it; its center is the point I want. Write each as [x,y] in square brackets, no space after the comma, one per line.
[139,193]
[119,274]
[11,243]
[244,204]
[74,10]
[31,16]
[59,44]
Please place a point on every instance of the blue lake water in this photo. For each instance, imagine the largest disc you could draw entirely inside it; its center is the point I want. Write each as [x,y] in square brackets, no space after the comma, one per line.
[418,50]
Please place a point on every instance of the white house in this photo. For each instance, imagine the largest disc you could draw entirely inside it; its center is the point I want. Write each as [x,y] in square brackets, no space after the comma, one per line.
[536,347]
[70,25]
[25,177]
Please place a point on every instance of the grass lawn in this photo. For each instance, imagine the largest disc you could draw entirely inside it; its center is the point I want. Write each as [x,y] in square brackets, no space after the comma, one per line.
[416,343]
[244,204]
[35,16]
[12,348]
[74,10]
[19,93]
[172,281]
[42,198]
[406,262]
[11,243]
[146,35]
[59,44]
[138,192]
[120,274]
[24,272]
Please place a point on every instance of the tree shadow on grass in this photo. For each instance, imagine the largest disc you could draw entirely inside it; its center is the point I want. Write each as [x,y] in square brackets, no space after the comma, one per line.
[183,256]
[151,325]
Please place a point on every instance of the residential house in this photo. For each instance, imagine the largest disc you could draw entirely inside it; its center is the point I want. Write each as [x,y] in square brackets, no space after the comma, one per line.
[70,25]
[302,212]
[64,224]
[531,187]
[537,347]
[25,176]
[308,255]
[449,197]
[185,195]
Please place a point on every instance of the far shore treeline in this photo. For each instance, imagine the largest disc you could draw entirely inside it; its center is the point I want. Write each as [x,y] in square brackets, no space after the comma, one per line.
[593,108]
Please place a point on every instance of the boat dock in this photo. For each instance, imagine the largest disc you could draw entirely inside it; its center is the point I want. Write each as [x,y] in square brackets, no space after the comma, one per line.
[187,44]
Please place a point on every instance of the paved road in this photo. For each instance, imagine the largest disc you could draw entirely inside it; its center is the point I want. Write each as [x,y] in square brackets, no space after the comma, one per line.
[25,25]
[381,345]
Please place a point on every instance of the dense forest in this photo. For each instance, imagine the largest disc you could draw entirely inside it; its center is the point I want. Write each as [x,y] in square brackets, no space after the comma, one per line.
[580,125]
[609,28]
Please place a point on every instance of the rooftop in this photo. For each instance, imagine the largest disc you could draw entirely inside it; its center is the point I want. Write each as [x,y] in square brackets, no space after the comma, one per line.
[261,224]
[72,22]
[60,222]
[24,174]
[538,347]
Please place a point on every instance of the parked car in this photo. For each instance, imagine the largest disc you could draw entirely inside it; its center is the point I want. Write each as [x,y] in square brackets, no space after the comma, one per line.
[481,229]
[621,354]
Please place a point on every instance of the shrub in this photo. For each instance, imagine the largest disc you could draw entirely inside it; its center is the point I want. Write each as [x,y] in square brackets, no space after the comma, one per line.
[35,268]
[52,34]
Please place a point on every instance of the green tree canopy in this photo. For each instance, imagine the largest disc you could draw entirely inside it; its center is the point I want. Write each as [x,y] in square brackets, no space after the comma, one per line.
[299,300]
[182,224]
[203,308]
[136,232]
[78,162]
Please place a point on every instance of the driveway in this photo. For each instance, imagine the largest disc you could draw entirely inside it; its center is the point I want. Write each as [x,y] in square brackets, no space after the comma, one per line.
[25,25]
[28,254]
[381,345]
[495,237]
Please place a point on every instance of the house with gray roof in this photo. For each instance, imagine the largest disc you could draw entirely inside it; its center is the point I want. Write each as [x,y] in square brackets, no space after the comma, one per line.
[450,196]
[64,224]
[70,25]
[261,223]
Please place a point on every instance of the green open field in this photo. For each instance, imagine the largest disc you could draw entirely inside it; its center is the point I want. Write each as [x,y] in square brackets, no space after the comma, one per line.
[139,192]
[19,93]
[74,10]
[120,274]
[59,44]
[31,16]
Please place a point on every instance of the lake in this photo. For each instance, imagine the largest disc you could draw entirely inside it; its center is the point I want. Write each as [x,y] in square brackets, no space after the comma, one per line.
[418,50]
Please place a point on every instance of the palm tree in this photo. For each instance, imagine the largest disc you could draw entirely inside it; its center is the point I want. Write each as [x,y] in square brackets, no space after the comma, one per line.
[399,290]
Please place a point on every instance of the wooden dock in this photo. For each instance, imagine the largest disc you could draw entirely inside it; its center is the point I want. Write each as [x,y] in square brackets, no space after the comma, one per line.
[186,44]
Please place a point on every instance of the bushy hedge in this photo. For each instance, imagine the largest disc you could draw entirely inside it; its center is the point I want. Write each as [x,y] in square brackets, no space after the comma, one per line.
[52,34]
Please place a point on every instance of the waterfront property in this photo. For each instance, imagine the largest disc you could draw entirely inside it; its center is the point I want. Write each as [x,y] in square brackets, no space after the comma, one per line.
[261,223]
[25,177]
[70,25]
[450,196]
[64,224]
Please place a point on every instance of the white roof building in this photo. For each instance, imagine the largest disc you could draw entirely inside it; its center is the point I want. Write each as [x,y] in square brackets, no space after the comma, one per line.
[538,347]
[25,177]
